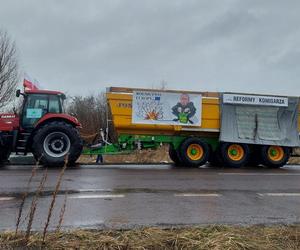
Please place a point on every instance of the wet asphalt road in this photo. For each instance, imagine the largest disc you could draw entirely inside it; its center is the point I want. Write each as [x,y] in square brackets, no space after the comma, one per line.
[116,196]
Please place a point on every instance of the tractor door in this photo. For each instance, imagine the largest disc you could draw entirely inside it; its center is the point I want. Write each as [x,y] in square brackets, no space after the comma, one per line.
[36,106]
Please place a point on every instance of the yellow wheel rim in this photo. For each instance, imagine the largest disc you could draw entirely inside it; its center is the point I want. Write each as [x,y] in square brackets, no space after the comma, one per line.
[236,152]
[195,152]
[275,153]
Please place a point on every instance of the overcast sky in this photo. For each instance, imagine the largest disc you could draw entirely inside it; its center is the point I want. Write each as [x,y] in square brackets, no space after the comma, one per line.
[81,47]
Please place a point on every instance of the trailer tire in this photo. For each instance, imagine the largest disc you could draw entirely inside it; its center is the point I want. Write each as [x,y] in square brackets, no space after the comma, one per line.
[173,153]
[235,155]
[194,152]
[53,141]
[274,156]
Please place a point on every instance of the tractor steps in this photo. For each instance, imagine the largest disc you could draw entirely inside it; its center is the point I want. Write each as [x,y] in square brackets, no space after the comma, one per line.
[21,147]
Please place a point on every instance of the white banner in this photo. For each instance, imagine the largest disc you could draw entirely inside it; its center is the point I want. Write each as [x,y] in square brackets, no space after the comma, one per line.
[166,108]
[256,100]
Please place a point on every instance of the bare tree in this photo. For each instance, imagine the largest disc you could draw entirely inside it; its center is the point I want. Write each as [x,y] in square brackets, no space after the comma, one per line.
[161,86]
[92,113]
[8,69]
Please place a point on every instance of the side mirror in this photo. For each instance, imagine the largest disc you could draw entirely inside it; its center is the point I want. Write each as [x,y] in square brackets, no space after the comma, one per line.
[18,93]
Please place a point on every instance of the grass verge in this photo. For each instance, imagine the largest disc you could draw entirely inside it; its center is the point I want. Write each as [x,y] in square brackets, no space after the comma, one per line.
[210,237]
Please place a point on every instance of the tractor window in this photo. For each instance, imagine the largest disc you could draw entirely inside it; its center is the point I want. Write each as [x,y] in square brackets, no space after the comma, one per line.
[54,104]
[35,107]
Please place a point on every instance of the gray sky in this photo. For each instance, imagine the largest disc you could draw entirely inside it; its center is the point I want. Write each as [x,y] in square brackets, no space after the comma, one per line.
[81,47]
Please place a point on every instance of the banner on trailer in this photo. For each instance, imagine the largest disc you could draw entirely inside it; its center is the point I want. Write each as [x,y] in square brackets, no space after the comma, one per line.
[256,100]
[166,108]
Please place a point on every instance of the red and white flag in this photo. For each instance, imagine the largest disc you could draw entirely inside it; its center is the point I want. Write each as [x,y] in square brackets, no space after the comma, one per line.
[30,84]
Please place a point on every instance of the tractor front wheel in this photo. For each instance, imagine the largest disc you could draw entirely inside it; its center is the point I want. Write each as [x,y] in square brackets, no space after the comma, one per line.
[55,142]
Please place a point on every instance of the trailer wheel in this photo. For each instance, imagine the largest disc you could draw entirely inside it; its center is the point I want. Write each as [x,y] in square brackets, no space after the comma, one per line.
[274,156]
[235,155]
[194,152]
[174,155]
[55,140]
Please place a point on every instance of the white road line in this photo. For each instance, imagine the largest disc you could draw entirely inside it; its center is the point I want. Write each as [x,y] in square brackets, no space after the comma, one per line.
[6,198]
[93,190]
[196,195]
[96,196]
[245,174]
[279,194]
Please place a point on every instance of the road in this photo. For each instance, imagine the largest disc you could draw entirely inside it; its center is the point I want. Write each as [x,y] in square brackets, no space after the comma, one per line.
[116,196]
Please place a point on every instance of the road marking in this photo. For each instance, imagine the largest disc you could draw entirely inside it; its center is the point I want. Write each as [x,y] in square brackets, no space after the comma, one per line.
[284,174]
[97,196]
[90,190]
[196,195]
[6,198]
[279,194]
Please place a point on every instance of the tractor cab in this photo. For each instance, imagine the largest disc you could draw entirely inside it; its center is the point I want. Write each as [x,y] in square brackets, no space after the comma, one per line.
[38,103]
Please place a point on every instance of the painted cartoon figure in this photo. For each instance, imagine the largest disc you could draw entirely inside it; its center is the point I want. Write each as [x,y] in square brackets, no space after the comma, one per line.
[184,110]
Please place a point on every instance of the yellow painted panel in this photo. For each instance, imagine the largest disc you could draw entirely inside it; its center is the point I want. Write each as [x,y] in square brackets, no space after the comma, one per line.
[121,109]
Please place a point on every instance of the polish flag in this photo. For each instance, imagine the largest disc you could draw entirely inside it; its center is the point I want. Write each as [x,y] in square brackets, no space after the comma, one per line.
[30,84]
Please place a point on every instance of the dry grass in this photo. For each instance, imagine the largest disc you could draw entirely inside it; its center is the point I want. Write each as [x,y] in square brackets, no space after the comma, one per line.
[294,161]
[161,155]
[211,237]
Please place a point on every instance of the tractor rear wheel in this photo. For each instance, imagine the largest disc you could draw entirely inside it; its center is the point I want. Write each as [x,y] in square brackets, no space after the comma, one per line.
[55,142]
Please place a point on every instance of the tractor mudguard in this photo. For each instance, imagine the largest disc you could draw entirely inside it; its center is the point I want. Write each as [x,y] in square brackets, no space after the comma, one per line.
[50,116]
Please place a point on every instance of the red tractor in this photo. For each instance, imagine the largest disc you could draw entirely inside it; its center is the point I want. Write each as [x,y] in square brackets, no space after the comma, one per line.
[41,128]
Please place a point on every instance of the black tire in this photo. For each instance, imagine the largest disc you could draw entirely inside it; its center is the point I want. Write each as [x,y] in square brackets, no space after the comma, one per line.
[268,162]
[53,141]
[234,163]
[5,148]
[4,155]
[174,155]
[184,155]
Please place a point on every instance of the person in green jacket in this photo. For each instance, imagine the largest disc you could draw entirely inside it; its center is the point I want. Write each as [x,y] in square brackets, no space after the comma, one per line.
[184,110]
